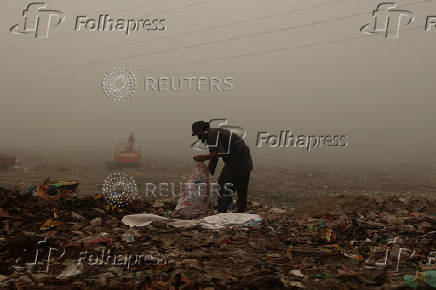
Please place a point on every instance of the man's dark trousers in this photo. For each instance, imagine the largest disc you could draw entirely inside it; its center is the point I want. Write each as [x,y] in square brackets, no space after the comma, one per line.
[234,177]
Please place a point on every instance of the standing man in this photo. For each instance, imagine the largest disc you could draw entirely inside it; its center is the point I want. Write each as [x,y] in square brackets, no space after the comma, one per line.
[236,156]
[131,142]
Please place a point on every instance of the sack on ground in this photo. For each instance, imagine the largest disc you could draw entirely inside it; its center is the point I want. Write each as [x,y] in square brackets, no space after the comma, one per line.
[195,198]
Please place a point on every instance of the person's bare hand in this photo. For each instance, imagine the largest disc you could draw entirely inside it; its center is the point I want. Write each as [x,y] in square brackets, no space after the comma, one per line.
[198,158]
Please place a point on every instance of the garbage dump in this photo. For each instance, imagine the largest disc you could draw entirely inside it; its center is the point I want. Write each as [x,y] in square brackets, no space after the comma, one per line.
[382,242]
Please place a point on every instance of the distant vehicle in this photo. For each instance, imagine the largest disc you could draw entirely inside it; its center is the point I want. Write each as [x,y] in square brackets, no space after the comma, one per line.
[7,162]
[124,156]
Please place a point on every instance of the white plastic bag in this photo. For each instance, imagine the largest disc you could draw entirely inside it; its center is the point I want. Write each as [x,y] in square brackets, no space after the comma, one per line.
[195,198]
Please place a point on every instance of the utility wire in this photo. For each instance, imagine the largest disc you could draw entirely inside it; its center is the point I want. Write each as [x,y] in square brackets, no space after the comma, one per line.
[150,14]
[237,22]
[251,35]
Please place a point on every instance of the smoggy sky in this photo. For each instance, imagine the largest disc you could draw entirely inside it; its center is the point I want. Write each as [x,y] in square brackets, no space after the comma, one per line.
[315,77]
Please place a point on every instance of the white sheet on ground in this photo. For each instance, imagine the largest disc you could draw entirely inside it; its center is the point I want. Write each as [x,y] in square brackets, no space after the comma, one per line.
[212,222]
[229,219]
[141,219]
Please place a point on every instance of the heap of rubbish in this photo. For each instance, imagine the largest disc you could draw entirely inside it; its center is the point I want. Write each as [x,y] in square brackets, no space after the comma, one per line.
[51,237]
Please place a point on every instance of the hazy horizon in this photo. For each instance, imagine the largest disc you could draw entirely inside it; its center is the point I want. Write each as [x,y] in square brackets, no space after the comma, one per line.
[376,91]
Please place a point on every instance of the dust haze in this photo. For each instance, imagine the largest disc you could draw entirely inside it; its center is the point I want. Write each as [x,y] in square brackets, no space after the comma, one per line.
[378,92]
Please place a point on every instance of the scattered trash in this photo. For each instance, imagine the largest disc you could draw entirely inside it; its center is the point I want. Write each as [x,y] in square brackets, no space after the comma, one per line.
[222,220]
[421,279]
[96,222]
[71,270]
[55,190]
[278,211]
[107,241]
[128,238]
[3,213]
[77,216]
[354,256]
[50,223]
[157,204]
[213,222]
[141,219]
[342,246]
[296,273]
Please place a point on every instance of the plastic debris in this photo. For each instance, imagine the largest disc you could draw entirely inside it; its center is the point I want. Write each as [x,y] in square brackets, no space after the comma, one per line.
[50,223]
[52,191]
[263,249]
[141,219]
[70,271]
[128,238]
[96,222]
[195,198]
[213,222]
[421,279]
[229,219]
[296,273]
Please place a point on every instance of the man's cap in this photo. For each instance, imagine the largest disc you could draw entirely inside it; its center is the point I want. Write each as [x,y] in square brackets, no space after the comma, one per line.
[199,126]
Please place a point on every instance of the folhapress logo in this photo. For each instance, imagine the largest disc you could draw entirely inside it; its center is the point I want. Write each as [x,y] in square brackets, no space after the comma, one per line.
[388,20]
[236,132]
[38,20]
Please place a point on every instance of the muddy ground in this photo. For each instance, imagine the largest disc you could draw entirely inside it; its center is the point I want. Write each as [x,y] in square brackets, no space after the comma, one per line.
[283,184]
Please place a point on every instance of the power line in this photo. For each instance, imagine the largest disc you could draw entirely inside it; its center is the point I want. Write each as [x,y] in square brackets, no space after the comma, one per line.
[198,30]
[150,14]
[269,51]
[275,50]
[326,21]
[248,20]
[119,11]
